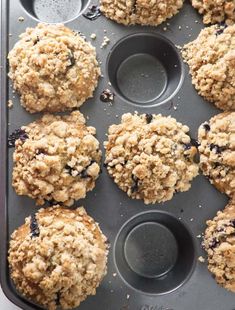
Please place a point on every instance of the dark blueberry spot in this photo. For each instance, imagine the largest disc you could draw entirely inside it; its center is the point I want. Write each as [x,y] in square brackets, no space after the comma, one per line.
[108,242]
[107,96]
[105,165]
[135,185]
[214,243]
[233,223]
[70,169]
[194,142]
[216,165]
[52,202]
[57,300]
[34,229]
[92,13]
[187,146]
[126,161]
[220,28]
[218,149]
[134,7]
[40,151]
[207,127]
[17,134]
[71,59]
[149,118]
[36,41]
[83,174]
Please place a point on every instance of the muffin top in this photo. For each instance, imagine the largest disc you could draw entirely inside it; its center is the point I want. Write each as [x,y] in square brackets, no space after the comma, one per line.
[211,60]
[216,11]
[58,257]
[219,243]
[150,156]
[56,159]
[217,151]
[143,12]
[53,68]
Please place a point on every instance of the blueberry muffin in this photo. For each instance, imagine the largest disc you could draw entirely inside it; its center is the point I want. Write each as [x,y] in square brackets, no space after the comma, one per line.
[56,159]
[150,157]
[211,60]
[58,257]
[219,243]
[217,151]
[143,12]
[53,68]
[216,11]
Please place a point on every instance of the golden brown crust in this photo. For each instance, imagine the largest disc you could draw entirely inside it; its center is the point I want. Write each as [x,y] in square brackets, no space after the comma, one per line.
[216,11]
[217,151]
[150,157]
[219,242]
[59,161]
[211,60]
[53,68]
[61,265]
[143,12]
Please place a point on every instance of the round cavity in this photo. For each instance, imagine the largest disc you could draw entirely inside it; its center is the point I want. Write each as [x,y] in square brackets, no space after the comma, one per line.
[154,252]
[147,255]
[145,69]
[55,11]
[144,73]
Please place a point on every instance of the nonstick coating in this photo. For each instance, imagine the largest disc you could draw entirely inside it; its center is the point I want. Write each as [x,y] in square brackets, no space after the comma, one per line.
[107,204]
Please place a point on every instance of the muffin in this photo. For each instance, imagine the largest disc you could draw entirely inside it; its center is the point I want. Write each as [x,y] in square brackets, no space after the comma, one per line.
[143,12]
[150,157]
[211,60]
[53,68]
[58,257]
[56,159]
[219,243]
[216,11]
[217,151]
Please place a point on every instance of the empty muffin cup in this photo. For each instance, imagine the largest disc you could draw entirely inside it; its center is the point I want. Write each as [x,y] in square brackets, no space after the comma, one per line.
[145,69]
[154,252]
[55,11]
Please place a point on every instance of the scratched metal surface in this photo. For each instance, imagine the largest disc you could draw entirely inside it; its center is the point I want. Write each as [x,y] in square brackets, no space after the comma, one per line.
[107,204]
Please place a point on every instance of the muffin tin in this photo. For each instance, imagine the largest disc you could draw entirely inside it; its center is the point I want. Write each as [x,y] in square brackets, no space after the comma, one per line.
[153,261]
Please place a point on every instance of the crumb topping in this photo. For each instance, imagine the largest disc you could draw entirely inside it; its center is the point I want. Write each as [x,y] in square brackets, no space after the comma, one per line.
[211,60]
[217,151]
[64,263]
[150,157]
[219,243]
[60,159]
[142,12]
[53,68]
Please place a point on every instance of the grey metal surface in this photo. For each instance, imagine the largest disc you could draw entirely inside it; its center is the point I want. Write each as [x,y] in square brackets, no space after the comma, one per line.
[107,204]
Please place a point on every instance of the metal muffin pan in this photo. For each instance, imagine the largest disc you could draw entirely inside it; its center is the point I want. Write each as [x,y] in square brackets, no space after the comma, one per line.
[153,249]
